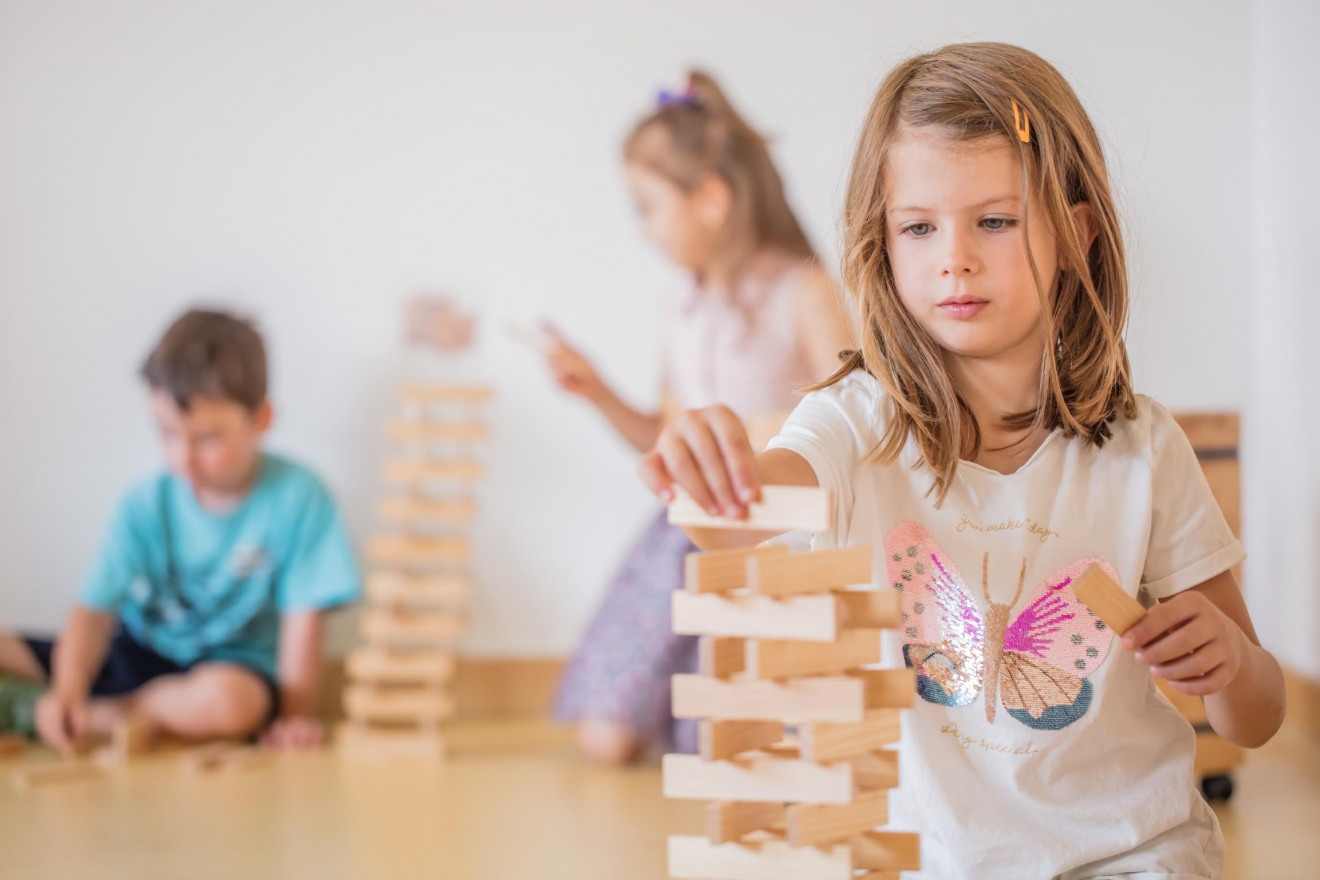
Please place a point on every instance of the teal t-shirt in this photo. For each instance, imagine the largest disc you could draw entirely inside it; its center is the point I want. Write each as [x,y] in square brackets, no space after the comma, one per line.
[194,585]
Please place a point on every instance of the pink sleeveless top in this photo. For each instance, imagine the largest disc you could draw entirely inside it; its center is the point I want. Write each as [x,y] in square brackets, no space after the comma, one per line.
[740,348]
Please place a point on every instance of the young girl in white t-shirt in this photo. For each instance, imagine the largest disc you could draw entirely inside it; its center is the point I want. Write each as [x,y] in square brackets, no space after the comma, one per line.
[986,440]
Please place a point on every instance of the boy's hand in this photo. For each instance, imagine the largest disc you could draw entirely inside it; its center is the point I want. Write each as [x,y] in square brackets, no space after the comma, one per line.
[294,732]
[61,721]
[1189,642]
[707,453]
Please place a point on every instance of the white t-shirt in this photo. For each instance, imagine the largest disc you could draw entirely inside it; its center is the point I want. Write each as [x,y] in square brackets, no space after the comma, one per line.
[1038,746]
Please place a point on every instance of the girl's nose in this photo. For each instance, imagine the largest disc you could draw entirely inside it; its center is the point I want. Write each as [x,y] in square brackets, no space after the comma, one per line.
[958,257]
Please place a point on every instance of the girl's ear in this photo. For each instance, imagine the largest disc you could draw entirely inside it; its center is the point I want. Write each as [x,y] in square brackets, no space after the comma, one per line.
[713,201]
[1083,218]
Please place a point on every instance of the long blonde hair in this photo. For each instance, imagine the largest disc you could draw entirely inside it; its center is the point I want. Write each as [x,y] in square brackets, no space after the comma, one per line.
[699,133]
[967,92]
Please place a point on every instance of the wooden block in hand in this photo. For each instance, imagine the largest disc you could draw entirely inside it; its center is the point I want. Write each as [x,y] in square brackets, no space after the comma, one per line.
[1107,600]
[781,509]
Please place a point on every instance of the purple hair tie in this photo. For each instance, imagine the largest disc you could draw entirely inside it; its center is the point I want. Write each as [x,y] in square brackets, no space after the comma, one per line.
[685,98]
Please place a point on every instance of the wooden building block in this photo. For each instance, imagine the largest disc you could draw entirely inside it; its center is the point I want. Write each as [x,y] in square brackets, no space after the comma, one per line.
[419,588]
[887,851]
[131,737]
[404,705]
[54,773]
[825,742]
[12,745]
[721,656]
[413,471]
[417,550]
[412,510]
[1107,600]
[817,824]
[719,571]
[383,626]
[870,609]
[875,770]
[759,778]
[832,698]
[722,739]
[888,688]
[782,658]
[801,573]
[429,395]
[378,665]
[727,821]
[425,431]
[781,509]
[359,740]
[811,618]
[696,858]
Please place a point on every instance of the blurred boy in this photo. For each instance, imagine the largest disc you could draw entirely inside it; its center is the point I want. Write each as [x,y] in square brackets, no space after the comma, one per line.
[202,616]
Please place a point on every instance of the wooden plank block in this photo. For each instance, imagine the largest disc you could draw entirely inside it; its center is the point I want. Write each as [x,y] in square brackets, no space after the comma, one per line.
[417,550]
[875,770]
[719,571]
[383,626]
[722,739]
[783,658]
[130,737]
[888,688]
[1189,706]
[758,778]
[12,745]
[721,656]
[887,851]
[436,431]
[399,667]
[816,824]
[781,509]
[825,742]
[823,698]
[359,740]
[1106,599]
[401,706]
[419,588]
[811,618]
[870,609]
[427,394]
[801,573]
[409,510]
[411,471]
[54,773]
[696,858]
[727,821]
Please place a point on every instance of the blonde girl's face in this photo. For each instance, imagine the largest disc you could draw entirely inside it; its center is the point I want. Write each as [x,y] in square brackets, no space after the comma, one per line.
[677,222]
[954,232]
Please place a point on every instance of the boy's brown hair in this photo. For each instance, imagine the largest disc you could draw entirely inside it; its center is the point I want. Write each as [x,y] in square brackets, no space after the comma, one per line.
[209,354]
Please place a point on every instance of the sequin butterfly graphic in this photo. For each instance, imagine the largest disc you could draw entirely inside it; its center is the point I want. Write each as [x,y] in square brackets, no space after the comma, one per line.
[1037,663]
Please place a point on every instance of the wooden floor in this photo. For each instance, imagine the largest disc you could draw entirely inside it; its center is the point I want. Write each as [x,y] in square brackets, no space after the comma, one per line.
[512,802]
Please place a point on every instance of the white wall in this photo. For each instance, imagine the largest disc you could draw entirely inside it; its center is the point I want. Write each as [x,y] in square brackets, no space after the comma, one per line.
[1282,502]
[314,162]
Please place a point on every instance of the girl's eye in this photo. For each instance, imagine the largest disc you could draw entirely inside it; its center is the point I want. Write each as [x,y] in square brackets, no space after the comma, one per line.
[917,230]
[997,224]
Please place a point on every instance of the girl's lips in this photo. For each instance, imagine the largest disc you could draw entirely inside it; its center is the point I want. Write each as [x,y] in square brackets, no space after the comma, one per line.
[963,310]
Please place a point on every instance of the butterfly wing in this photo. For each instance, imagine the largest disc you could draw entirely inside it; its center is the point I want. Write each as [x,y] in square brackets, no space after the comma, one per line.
[943,631]
[1050,649]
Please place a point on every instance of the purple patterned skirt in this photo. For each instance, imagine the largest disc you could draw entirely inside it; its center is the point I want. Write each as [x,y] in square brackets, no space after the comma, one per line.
[621,671]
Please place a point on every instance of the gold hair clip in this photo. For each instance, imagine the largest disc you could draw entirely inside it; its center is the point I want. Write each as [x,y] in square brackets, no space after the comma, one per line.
[1022,121]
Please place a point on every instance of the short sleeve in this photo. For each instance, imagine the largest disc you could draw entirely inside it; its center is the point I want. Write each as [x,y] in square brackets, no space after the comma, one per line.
[1190,541]
[833,429]
[121,562]
[320,570]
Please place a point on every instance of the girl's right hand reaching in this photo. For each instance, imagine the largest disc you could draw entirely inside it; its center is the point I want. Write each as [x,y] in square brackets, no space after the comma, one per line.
[572,371]
[705,452]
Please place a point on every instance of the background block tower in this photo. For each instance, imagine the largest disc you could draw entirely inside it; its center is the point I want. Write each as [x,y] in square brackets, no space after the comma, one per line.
[795,736]
[419,578]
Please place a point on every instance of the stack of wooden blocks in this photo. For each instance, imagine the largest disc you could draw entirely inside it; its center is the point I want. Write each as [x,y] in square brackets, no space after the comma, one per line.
[419,582]
[793,732]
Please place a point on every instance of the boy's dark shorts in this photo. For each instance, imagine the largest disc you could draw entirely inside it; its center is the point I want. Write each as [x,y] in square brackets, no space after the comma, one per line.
[129,665]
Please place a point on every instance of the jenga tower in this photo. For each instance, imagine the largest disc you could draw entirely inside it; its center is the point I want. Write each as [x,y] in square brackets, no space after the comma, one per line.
[418,582]
[793,733]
